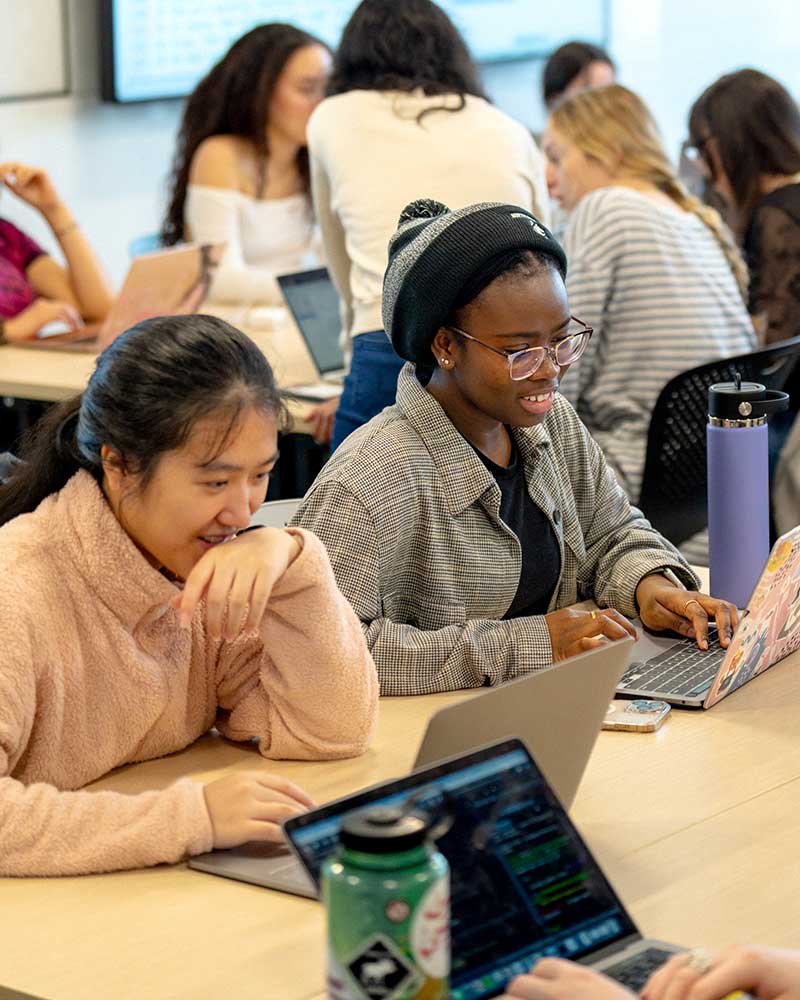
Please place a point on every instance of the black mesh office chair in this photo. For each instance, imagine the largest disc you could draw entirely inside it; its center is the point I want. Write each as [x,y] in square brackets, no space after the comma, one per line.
[673,495]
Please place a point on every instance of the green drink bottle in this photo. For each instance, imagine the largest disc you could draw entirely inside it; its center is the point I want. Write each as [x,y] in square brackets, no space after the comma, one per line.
[386,891]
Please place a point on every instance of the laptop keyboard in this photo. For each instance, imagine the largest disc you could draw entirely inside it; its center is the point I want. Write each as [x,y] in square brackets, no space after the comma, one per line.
[683,669]
[635,972]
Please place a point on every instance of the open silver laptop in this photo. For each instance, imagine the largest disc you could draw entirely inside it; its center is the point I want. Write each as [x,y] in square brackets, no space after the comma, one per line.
[677,671]
[314,304]
[170,282]
[558,713]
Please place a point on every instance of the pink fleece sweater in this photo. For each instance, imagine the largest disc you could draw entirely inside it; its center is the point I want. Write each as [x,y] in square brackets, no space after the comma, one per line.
[95,672]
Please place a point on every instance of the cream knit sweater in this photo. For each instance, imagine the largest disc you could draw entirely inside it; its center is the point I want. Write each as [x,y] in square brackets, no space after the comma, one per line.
[371,156]
[95,672]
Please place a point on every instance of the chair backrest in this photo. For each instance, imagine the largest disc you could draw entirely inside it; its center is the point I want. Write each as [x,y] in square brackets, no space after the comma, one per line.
[147,243]
[276,513]
[674,485]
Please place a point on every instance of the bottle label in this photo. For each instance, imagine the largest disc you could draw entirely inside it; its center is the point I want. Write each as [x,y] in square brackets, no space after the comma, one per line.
[430,931]
[379,970]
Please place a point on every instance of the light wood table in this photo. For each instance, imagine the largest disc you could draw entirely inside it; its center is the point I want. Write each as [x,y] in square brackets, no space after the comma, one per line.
[696,826]
[50,375]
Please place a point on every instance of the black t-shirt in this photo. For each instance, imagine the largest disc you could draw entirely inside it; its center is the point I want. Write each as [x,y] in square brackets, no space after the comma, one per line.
[541,558]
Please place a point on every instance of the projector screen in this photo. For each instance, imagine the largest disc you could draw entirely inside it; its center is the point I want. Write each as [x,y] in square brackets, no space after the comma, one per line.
[154,50]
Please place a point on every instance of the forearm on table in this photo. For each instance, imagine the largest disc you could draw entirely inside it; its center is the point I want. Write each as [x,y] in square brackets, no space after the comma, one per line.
[414,661]
[44,831]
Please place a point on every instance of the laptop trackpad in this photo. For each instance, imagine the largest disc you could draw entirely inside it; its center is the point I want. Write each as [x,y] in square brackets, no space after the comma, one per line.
[259,863]
[650,644]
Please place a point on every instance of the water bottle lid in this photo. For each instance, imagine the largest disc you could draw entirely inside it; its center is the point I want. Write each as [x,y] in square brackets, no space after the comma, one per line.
[383,830]
[740,400]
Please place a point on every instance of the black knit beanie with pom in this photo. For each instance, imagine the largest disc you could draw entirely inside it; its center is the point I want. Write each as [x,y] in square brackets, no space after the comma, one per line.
[435,252]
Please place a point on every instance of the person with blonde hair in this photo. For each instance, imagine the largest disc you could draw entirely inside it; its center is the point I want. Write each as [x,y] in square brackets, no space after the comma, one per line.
[652,269]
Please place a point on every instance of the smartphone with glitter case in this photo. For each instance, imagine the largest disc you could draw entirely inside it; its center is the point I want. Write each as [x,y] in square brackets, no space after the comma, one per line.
[637,716]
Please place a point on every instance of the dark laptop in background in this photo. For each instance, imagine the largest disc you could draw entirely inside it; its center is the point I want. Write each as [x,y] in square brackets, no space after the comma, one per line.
[524,885]
[314,304]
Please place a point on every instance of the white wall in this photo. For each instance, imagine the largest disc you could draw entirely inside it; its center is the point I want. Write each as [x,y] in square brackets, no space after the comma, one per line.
[110,162]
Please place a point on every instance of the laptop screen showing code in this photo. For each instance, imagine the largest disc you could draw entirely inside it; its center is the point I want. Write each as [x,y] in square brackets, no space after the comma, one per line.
[314,303]
[523,883]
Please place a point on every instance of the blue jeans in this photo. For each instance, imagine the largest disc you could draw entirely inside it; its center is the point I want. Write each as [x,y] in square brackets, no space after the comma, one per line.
[370,386]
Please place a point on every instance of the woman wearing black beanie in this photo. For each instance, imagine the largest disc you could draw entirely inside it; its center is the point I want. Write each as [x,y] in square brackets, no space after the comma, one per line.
[463,522]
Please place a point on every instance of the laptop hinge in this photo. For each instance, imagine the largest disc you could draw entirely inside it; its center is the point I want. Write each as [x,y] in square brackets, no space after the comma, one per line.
[611,949]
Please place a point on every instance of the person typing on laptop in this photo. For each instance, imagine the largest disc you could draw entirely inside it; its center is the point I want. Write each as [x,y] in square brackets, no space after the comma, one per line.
[132,619]
[767,973]
[464,521]
[35,290]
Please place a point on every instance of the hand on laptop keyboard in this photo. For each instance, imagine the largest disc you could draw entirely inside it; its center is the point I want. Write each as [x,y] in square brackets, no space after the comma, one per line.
[664,606]
[559,979]
[768,973]
[682,669]
[573,630]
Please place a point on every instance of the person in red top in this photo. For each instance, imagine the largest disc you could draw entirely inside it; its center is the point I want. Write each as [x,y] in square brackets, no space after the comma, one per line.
[35,289]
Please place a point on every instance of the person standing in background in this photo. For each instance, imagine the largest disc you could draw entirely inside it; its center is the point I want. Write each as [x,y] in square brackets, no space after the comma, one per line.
[240,174]
[35,290]
[746,130]
[576,66]
[402,120]
[654,271]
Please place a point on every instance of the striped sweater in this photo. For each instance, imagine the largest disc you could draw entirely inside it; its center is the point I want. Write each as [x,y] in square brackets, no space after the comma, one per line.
[654,283]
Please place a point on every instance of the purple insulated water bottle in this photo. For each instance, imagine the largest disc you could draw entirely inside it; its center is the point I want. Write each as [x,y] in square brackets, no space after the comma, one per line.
[738,485]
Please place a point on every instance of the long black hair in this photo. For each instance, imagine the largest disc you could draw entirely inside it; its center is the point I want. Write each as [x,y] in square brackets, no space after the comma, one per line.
[147,392]
[233,99]
[755,124]
[403,45]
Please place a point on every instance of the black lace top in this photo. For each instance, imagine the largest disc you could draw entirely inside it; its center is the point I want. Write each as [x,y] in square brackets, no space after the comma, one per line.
[772,249]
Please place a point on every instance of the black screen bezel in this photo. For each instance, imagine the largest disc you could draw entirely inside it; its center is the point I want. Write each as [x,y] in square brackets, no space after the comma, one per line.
[351,803]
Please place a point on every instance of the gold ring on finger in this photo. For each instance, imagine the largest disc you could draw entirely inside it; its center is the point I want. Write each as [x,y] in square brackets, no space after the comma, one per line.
[593,614]
[692,600]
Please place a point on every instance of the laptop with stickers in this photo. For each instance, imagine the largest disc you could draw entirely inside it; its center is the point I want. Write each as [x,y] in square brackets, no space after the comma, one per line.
[677,671]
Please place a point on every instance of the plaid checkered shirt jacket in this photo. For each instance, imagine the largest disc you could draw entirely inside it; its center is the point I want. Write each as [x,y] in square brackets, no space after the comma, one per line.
[410,518]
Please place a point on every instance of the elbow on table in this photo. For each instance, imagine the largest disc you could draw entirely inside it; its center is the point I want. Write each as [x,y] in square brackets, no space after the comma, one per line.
[333,730]
[355,736]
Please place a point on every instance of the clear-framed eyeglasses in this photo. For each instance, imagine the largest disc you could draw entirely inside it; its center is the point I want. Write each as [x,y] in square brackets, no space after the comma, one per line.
[564,351]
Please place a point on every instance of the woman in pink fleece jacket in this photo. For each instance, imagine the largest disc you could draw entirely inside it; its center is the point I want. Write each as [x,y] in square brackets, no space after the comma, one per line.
[132,620]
